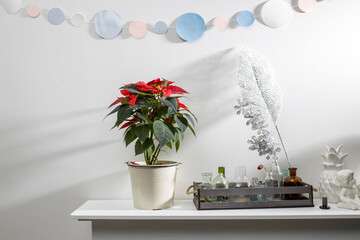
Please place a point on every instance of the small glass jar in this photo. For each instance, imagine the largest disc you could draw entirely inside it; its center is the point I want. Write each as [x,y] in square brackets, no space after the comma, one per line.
[206,184]
[255,183]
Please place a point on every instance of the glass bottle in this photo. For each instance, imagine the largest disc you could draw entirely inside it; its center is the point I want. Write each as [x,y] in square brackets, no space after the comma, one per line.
[269,182]
[240,181]
[206,184]
[286,173]
[220,182]
[277,178]
[255,183]
[293,181]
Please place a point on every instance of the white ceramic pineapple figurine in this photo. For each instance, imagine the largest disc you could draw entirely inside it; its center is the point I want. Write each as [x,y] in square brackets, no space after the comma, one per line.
[333,162]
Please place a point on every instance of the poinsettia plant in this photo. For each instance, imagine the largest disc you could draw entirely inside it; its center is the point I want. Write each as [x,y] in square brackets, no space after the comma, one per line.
[152,114]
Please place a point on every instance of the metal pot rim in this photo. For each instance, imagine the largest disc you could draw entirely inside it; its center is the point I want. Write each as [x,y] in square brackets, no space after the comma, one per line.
[160,164]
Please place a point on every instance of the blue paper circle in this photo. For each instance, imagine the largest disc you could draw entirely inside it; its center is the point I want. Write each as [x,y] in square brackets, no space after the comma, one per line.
[108,24]
[160,27]
[56,16]
[245,18]
[190,26]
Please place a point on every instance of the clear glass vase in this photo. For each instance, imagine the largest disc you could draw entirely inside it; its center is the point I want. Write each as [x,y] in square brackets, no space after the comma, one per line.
[274,179]
[206,184]
[240,181]
[269,182]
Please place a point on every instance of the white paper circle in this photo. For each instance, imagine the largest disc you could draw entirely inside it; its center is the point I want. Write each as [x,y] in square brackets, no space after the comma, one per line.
[276,13]
[12,6]
[77,19]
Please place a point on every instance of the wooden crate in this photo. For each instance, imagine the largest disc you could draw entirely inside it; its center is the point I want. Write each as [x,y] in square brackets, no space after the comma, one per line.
[306,189]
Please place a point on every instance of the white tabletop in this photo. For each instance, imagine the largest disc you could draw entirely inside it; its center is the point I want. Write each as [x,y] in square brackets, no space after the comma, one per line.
[185,210]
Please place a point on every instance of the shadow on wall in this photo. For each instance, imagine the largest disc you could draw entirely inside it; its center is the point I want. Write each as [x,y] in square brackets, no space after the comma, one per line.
[37,140]
[212,85]
[49,215]
[45,165]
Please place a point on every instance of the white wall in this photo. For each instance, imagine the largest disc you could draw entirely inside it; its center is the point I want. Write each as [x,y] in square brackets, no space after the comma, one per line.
[56,82]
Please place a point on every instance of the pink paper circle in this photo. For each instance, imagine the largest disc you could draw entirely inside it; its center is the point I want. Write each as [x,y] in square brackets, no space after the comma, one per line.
[138,29]
[33,11]
[220,23]
[306,5]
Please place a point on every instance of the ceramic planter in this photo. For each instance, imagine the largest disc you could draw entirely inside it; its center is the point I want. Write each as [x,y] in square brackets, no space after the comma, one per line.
[153,186]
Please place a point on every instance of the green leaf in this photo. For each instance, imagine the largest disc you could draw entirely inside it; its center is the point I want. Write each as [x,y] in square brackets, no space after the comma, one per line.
[181,134]
[153,101]
[182,123]
[170,112]
[138,147]
[130,128]
[162,133]
[173,102]
[191,114]
[145,112]
[139,114]
[176,137]
[130,136]
[192,130]
[133,89]
[188,117]
[124,112]
[162,112]
[170,103]
[142,131]
[148,143]
[169,144]
[150,150]
[177,145]
[142,102]
[113,111]
[141,148]
[171,127]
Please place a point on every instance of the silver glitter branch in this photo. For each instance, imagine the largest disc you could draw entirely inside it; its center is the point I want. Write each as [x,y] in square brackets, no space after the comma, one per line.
[260,102]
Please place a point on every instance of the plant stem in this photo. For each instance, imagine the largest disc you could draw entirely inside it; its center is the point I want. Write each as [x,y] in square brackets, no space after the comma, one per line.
[146,156]
[155,155]
[282,143]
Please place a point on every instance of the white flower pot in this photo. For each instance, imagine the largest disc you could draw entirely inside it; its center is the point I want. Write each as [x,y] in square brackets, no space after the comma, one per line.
[153,186]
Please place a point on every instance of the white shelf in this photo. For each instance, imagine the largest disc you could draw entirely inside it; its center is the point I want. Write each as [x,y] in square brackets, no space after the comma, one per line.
[185,210]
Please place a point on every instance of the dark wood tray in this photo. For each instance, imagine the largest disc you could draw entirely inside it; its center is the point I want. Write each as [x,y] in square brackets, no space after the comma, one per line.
[306,190]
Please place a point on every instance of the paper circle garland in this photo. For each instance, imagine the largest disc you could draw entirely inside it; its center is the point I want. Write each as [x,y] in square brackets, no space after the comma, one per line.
[108,24]
[160,27]
[190,27]
[220,23]
[276,13]
[33,11]
[77,19]
[245,18]
[56,16]
[12,6]
[306,5]
[138,29]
